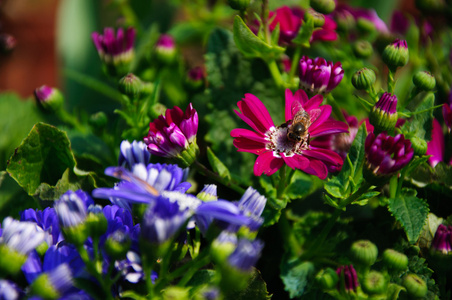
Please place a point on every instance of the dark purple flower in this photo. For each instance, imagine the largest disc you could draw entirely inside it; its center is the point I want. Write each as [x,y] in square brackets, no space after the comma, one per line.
[387,155]
[133,153]
[246,254]
[170,134]
[350,278]
[447,112]
[318,75]
[383,115]
[435,147]
[289,23]
[442,241]
[115,51]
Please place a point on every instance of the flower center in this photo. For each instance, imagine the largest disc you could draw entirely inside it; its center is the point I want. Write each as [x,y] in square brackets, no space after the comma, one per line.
[280,144]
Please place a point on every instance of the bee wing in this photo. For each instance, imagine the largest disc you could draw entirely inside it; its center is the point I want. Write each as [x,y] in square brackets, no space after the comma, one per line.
[314,114]
[296,108]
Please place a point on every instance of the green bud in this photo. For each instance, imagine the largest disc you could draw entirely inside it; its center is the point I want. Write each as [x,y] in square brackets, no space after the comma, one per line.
[362,49]
[49,99]
[415,286]
[117,249]
[395,260]
[396,54]
[76,235]
[365,25]
[157,110]
[42,248]
[97,224]
[148,88]
[43,288]
[363,79]
[220,251]
[327,279]
[131,86]
[10,260]
[323,6]
[383,115]
[98,120]
[419,146]
[317,18]
[239,4]
[364,253]
[424,81]
[175,293]
[374,283]
[345,20]
[188,156]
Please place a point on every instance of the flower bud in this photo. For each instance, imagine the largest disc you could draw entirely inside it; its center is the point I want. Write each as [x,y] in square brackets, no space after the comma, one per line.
[98,120]
[344,19]
[419,146]
[395,260]
[7,43]
[442,241]
[424,81]
[131,86]
[374,283]
[165,49]
[363,79]
[208,193]
[317,18]
[348,277]
[41,287]
[117,245]
[10,260]
[327,279]
[176,292]
[365,25]
[49,99]
[362,49]
[323,6]
[415,286]
[383,115]
[223,246]
[239,4]
[364,253]
[96,221]
[396,54]
[195,79]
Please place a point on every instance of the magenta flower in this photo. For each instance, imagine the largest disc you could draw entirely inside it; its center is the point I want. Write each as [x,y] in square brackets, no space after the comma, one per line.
[289,23]
[386,154]
[318,75]
[447,112]
[170,134]
[165,48]
[357,13]
[325,33]
[435,147]
[272,143]
[115,51]
[350,277]
[442,241]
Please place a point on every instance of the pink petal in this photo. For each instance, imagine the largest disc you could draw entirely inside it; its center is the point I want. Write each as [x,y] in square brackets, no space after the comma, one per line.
[325,155]
[240,132]
[329,127]
[313,103]
[244,144]
[317,168]
[436,146]
[325,112]
[267,164]
[296,162]
[254,113]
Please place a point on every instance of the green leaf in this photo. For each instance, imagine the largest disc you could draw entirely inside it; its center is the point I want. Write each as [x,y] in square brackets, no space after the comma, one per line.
[200,281]
[296,275]
[339,186]
[250,45]
[256,289]
[42,157]
[411,212]
[13,198]
[217,165]
[302,185]
[304,35]
[420,125]
[429,230]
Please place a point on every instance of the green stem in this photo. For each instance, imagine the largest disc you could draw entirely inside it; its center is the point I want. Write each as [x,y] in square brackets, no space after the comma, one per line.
[198,263]
[336,109]
[67,118]
[290,240]
[391,82]
[206,172]
[130,16]
[264,16]
[276,74]
[147,270]
[332,220]
[295,62]
[282,182]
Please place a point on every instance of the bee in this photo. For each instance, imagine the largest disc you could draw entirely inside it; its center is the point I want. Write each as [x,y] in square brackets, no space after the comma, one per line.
[297,131]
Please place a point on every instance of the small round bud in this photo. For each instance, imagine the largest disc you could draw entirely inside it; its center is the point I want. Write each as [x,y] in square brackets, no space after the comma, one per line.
[131,86]
[345,20]
[117,245]
[223,246]
[364,253]
[383,115]
[363,79]
[424,81]
[415,286]
[239,4]
[96,223]
[98,120]
[362,49]
[323,6]
[419,146]
[317,18]
[395,260]
[195,79]
[175,292]
[374,283]
[396,54]
[165,49]
[41,286]
[157,110]
[10,260]
[327,279]
[208,193]
[49,99]
[365,25]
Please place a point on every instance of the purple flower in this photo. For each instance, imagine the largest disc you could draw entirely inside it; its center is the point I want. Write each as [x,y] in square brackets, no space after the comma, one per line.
[10,291]
[246,254]
[442,241]
[435,147]
[116,52]
[318,75]
[21,237]
[165,49]
[383,115]
[289,23]
[133,153]
[47,220]
[252,205]
[72,208]
[208,193]
[386,155]
[170,134]
[447,112]
[131,269]
[162,220]
[350,278]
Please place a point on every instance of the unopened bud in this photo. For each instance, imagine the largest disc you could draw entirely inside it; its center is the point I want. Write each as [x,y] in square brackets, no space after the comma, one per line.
[363,79]
[365,25]
[317,18]
[323,6]
[424,81]
[364,253]
[98,120]
[396,54]
[117,245]
[374,283]
[395,260]
[239,4]
[49,99]
[419,146]
[131,86]
[415,286]
[165,49]
[362,49]
[383,115]
[327,279]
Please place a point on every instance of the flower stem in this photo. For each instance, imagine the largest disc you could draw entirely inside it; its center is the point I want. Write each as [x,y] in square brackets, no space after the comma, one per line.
[391,82]
[206,172]
[295,62]
[276,74]
[290,240]
[332,220]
